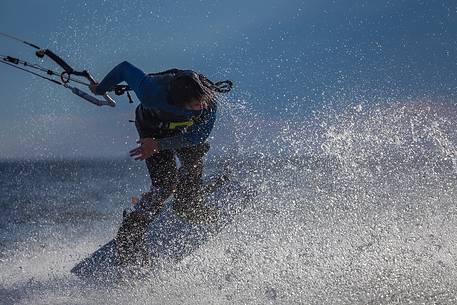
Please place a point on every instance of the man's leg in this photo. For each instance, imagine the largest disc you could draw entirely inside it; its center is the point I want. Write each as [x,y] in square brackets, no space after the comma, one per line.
[130,238]
[188,197]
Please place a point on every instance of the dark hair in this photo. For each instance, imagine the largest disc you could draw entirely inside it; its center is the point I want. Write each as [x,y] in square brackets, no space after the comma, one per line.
[187,86]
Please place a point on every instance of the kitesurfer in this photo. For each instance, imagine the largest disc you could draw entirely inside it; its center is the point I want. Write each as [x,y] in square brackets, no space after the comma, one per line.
[176,114]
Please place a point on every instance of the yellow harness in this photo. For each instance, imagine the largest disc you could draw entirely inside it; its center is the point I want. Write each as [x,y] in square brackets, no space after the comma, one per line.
[174,125]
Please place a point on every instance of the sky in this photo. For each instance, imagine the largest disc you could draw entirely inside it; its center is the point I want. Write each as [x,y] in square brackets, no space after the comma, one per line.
[286,58]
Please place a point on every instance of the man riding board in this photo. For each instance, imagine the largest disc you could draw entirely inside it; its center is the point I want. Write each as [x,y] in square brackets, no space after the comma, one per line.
[176,114]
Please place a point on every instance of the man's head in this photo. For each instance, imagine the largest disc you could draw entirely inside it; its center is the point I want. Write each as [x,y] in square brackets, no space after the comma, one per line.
[187,91]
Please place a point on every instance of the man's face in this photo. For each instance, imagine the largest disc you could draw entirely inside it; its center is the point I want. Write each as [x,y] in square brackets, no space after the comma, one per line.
[196,105]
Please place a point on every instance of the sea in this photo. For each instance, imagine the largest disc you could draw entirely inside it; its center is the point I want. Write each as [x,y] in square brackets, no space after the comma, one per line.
[352,206]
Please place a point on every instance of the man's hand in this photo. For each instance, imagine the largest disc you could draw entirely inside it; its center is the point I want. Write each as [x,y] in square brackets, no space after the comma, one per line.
[93,87]
[148,147]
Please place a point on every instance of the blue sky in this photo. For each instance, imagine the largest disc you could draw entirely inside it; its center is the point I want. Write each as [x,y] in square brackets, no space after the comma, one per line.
[294,55]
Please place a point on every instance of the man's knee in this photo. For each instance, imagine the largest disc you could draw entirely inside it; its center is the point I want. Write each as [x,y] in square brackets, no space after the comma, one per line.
[153,200]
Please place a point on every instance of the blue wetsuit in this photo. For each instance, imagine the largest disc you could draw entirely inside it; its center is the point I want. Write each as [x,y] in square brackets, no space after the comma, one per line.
[152,91]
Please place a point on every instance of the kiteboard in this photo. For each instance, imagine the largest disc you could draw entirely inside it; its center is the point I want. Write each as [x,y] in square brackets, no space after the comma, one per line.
[171,236]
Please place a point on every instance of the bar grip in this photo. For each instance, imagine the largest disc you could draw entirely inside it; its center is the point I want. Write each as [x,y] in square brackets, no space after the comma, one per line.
[90,98]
